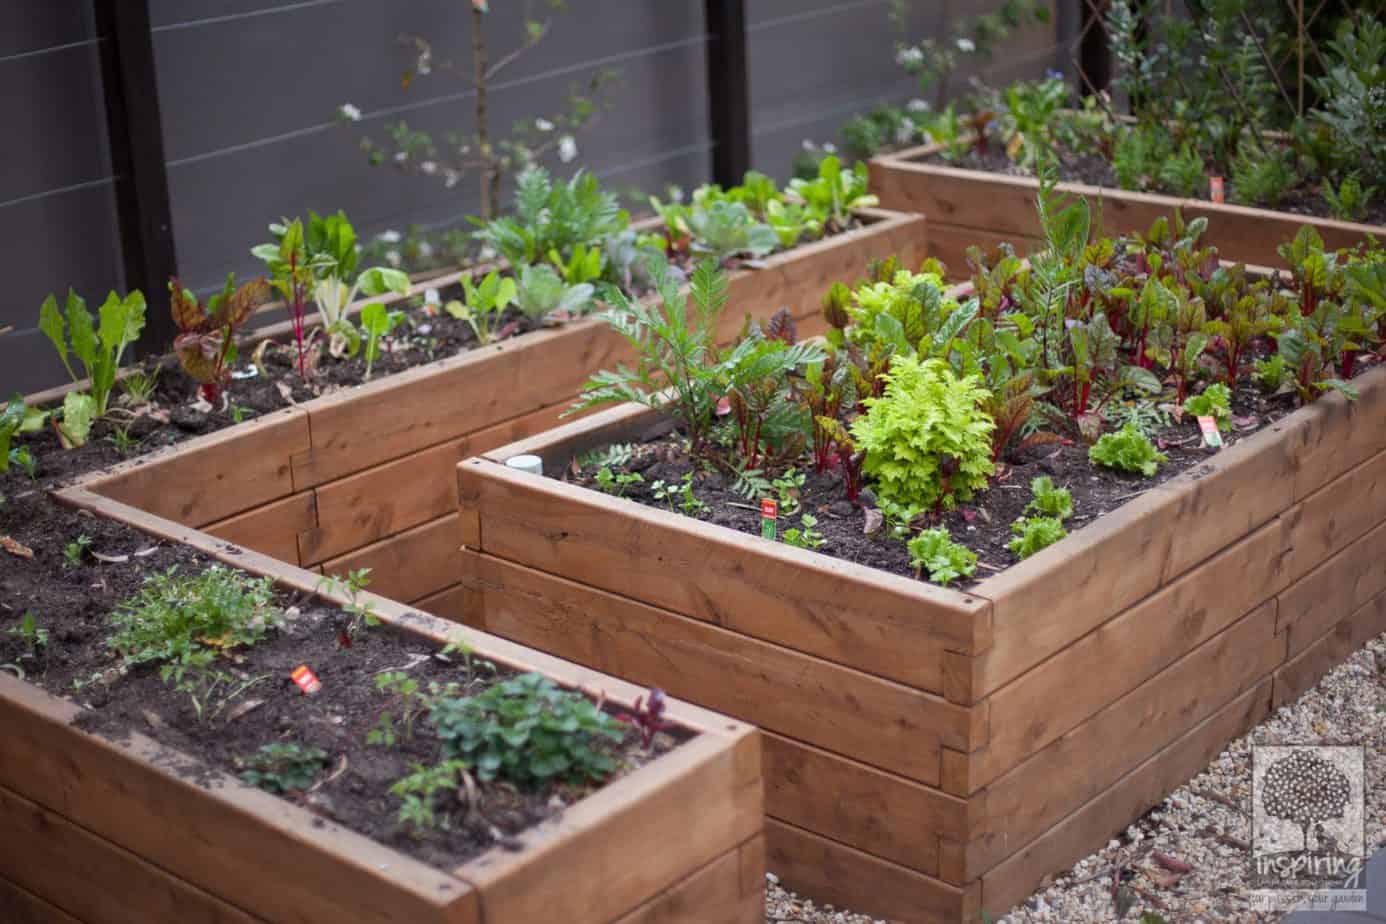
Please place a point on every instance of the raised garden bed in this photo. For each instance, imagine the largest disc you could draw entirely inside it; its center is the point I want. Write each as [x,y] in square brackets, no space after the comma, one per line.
[113,827]
[969,207]
[933,754]
[363,477]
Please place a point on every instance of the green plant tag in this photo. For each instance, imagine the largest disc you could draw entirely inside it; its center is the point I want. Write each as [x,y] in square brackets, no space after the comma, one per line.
[1211,437]
[769,515]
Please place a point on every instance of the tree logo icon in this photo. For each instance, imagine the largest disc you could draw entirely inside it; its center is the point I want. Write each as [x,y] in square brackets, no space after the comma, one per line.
[1307,825]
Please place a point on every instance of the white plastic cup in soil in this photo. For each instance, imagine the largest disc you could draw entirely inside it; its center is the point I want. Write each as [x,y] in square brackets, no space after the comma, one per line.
[532,464]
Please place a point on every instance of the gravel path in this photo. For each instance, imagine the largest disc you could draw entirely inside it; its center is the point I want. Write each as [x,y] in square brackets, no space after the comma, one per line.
[1205,823]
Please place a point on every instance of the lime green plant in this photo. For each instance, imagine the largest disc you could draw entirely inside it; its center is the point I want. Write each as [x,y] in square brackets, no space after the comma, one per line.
[98,344]
[1127,450]
[934,552]
[482,305]
[283,767]
[1215,401]
[1035,533]
[1049,500]
[927,439]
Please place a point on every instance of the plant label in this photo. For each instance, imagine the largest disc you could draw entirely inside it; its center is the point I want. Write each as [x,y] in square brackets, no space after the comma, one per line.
[1216,191]
[307,681]
[769,515]
[1211,437]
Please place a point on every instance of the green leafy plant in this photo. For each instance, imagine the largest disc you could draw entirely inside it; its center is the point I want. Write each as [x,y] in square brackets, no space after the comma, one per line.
[78,417]
[30,633]
[11,420]
[209,689]
[1138,156]
[482,305]
[789,486]
[175,617]
[283,767]
[206,341]
[542,293]
[421,791]
[804,536]
[1349,201]
[360,613]
[551,220]
[1049,500]
[1261,177]
[1215,401]
[927,439]
[21,456]
[934,552]
[1035,533]
[1183,174]
[583,266]
[75,551]
[1270,372]
[724,229]
[1127,450]
[294,274]
[98,344]
[616,483]
[679,492]
[528,731]
[1353,105]
[835,193]
[139,387]
[377,321]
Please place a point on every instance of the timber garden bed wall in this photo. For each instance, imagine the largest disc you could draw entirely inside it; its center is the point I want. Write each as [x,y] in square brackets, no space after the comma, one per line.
[364,478]
[931,754]
[976,207]
[109,831]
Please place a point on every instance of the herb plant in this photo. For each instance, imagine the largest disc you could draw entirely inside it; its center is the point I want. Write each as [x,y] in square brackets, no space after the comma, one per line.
[97,343]
[1035,533]
[1127,450]
[616,483]
[1049,500]
[804,536]
[934,552]
[553,218]
[527,731]
[283,767]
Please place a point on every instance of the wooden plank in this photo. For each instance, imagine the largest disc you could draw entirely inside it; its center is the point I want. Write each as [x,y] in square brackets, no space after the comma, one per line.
[621,423]
[1081,765]
[1044,603]
[1334,647]
[94,879]
[627,843]
[858,805]
[713,893]
[1006,204]
[1089,828]
[1122,653]
[24,907]
[280,862]
[272,529]
[387,499]
[1317,601]
[1341,433]
[216,476]
[451,604]
[414,564]
[850,614]
[829,872]
[797,695]
[1333,517]
[429,405]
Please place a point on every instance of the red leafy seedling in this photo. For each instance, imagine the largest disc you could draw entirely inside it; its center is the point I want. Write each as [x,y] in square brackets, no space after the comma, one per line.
[648,716]
[206,340]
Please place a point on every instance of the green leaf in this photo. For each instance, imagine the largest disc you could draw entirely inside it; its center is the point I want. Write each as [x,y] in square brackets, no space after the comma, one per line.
[378,280]
[79,411]
[81,330]
[51,323]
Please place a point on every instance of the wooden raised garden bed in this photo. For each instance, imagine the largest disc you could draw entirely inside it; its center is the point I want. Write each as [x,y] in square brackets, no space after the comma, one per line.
[932,754]
[108,831]
[967,207]
[363,478]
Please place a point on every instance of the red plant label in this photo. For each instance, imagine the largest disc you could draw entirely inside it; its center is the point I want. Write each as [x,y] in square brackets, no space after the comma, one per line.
[307,681]
[769,513]
[1215,190]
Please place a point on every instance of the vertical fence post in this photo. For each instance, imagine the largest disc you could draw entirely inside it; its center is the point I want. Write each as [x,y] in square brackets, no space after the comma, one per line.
[728,90]
[131,90]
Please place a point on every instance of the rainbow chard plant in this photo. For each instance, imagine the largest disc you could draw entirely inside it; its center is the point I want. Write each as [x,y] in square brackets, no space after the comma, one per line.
[206,341]
[294,277]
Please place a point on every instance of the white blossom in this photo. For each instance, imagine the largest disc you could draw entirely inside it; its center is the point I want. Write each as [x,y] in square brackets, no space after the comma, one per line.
[350,112]
[918,105]
[966,45]
[544,125]
[809,145]
[567,149]
[909,57]
[428,167]
[392,257]
[829,148]
[401,156]
[905,132]
[389,237]
[426,251]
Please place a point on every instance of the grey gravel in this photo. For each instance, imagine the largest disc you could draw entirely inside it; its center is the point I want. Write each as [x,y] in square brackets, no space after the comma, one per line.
[1205,823]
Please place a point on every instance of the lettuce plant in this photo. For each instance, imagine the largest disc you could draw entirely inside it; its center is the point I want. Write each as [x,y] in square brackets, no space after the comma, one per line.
[1215,401]
[1049,500]
[1127,450]
[97,343]
[541,292]
[934,552]
[834,193]
[927,439]
[726,229]
[1035,533]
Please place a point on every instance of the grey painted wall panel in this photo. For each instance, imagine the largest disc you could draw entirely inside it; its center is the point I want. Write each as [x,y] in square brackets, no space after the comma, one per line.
[27,27]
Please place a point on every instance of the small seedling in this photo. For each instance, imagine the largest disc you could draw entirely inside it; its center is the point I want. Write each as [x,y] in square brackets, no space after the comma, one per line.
[689,503]
[648,716]
[361,613]
[209,689]
[122,440]
[1049,500]
[413,702]
[789,486]
[283,767]
[29,631]
[807,537]
[139,387]
[612,483]
[75,551]
[420,791]
[934,551]
[23,457]
[1035,533]
[240,412]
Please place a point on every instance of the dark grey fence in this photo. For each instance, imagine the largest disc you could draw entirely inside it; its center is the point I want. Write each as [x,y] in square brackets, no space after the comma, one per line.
[249,91]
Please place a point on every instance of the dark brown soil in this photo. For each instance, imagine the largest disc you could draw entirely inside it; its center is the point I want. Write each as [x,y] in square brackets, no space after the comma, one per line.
[72,602]
[983,525]
[1303,199]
